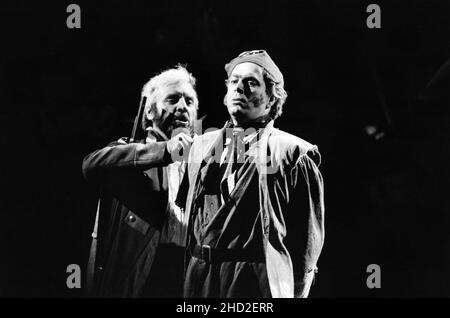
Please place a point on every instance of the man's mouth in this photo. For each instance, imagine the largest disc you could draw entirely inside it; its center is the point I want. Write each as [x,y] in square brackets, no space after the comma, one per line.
[238,101]
[181,121]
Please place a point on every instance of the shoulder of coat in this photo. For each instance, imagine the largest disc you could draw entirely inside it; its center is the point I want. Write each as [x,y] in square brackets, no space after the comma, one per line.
[285,141]
[207,137]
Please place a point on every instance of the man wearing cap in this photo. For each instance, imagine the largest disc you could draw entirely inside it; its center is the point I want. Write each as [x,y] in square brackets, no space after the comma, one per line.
[255,201]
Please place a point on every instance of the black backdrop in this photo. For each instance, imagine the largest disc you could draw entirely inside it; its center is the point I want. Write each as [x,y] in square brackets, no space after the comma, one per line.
[65,92]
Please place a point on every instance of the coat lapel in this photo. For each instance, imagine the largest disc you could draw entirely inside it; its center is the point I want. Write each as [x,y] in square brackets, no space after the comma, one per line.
[209,159]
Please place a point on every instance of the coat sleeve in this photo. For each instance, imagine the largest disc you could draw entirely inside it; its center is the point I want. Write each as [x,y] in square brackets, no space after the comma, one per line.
[305,220]
[119,156]
[119,170]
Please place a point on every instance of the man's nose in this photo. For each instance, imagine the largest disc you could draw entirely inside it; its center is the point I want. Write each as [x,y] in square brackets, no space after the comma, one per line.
[239,87]
[181,106]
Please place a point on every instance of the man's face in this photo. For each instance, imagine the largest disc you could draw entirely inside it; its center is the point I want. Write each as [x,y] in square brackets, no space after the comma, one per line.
[176,107]
[246,97]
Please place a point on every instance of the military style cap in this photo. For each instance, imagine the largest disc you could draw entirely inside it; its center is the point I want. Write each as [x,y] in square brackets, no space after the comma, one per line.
[258,57]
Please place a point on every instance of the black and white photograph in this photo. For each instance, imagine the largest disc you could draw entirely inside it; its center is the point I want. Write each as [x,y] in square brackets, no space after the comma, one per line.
[234,150]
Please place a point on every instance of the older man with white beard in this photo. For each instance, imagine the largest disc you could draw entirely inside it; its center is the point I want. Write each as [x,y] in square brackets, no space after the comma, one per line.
[141,231]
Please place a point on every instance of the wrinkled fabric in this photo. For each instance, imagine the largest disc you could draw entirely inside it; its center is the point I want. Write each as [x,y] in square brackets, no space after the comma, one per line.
[280,212]
[137,254]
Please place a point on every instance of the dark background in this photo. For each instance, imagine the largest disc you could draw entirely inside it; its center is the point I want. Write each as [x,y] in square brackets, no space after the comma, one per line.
[66,92]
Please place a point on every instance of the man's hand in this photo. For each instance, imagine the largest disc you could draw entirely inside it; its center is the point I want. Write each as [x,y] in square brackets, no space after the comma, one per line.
[178,146]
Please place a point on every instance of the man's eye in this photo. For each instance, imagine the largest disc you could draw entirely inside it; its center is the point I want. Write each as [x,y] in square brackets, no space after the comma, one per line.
[172,100]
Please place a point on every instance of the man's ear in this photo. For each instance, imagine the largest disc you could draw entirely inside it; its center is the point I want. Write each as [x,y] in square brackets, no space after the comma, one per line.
[271,101]
[150,112]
